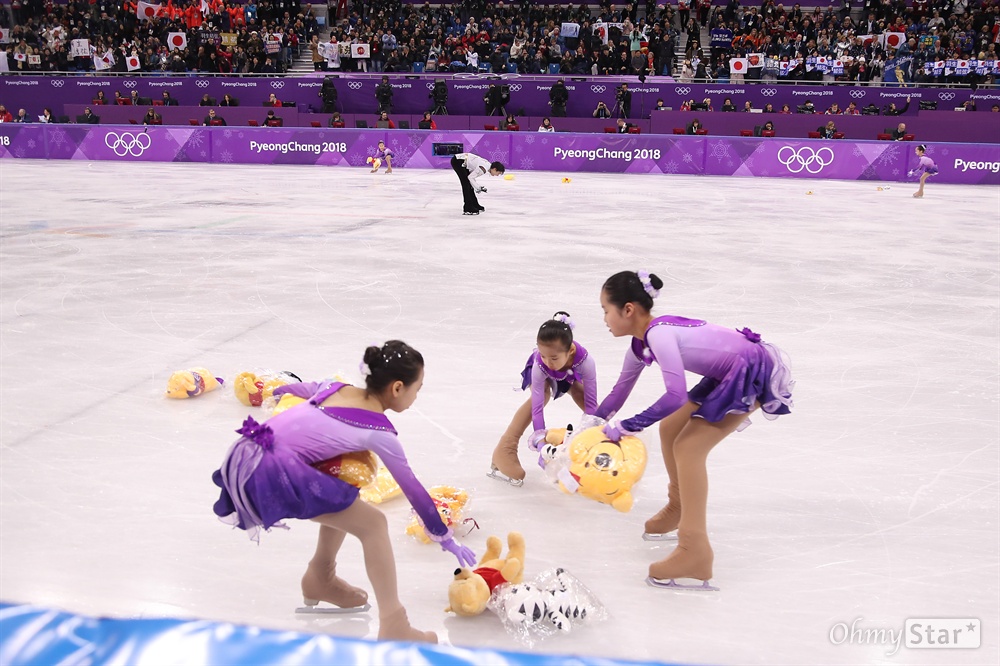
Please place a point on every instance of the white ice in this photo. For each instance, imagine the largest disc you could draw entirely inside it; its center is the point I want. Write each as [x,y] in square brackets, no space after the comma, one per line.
[874,502]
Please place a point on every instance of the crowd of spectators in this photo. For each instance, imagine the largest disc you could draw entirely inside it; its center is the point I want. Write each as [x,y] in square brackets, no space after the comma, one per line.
[526,37]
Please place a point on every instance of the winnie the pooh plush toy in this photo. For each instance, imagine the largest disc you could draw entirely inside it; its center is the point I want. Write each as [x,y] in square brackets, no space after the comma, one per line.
[603,470]
[450,502]
[191,383]
[471,588]
[252,389]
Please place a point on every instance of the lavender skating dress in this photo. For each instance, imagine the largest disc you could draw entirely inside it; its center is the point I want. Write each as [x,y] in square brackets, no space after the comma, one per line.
[536,375]
[268,476]
[738,370]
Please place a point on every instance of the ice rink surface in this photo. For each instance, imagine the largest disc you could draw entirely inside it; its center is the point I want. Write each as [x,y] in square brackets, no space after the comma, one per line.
[874,502]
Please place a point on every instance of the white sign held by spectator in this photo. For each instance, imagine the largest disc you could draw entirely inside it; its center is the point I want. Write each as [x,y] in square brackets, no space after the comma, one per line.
[570,29]
[4,35]
[361,50]
[80,48]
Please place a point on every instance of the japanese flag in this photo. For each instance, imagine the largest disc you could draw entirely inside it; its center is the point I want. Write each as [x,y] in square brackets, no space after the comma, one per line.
[205,8]
[102,62]
[738,66]
[893,39]
[146,11]
[821,61]
[177,40]
[361,50]
[4,35]
[866,39]
[133,63]
[21,56]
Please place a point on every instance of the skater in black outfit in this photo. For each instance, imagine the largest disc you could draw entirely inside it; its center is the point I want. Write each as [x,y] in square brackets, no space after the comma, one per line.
[469,167]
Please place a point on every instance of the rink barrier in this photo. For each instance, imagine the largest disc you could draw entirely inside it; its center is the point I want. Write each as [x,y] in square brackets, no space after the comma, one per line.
[31,636]
[962,163]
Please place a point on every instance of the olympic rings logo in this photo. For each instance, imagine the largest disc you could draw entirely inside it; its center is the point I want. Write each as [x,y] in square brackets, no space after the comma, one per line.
[430,86]
[130,84]
[201,83]
[127,143]
[277,84]
[598,89]
[769,92]
[354,85]
[805,158]
[514,87]
[683,91]
[857,94]
[946,96]
[58,83]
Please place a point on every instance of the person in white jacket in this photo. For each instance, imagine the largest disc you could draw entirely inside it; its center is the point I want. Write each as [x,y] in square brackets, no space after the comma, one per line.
[469,167]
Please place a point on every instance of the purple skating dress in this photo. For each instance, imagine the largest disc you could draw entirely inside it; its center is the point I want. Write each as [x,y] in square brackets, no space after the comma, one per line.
[738,370]
[926,164]
[268,476]
[536,375]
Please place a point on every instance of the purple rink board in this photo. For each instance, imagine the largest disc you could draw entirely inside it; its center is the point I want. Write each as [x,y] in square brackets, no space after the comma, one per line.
[465,92]
[529,151]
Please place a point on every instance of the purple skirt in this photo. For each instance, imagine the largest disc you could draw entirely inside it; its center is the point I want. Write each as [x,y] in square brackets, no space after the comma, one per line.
[281,485]
[763,377]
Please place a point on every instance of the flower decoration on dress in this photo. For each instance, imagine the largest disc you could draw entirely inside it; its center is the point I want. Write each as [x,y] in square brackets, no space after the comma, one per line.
[647,284]
[750,335]
[259,433]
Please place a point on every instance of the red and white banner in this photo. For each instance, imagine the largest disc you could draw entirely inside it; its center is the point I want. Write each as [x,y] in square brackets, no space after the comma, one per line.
[361,50]
[738,66]
[145,11]
[102,62]
[133,63]
[867,39]
[755,59]
[4,35]
[205,9]
[177,40]
[892,39]
[21,57]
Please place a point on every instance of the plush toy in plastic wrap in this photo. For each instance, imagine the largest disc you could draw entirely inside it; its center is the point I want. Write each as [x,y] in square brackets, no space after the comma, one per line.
[555,602]
[383,488]
[593,466]
[357,468]
[451,504]
[470,591]
[253,389]
[191,383]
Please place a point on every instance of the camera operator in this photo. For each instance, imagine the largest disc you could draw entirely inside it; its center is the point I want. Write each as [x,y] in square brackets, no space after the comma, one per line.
[496,99]
[383,94]
[440,96]
[558,98]
[328,93]
[602,111]
[623,100]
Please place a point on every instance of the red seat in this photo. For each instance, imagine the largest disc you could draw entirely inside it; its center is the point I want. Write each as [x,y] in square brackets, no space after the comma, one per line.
[133,121]
[813,135]
[315,123]
[98,102]
[634,130]
[838,135]
[679,130]
[192,121]
[125,102]
[702,131]
[609,130]
[513,128]
[253,123]
[157,102]
[157,122]
[339,123]
[909,137]
[490,128]
[767,133]
[884,137]
[746,132]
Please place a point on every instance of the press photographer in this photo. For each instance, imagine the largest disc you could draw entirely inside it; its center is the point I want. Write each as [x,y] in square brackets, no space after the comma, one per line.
[496,99]
[383,94]
[558,98]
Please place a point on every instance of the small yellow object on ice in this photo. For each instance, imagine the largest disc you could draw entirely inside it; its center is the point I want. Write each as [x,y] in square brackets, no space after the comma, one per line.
[370,160]
[509,176]
[567,180]
[809,192]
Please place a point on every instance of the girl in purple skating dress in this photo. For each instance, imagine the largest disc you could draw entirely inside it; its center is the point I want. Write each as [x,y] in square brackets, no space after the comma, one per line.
[559,365]
[740,374]
[926,168]
[268,476]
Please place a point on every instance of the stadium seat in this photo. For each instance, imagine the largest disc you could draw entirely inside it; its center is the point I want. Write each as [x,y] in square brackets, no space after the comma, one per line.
[315,123]
[678,130]
[746,132]
[513,128]
[339,123]
[361,124]
[909,137]
[192,121]
[490,128]
[701,131]
[884,137]
[813,135]
[64,120]
[125,102]
[512,68]
[97,102]
[609,130]
[404,124]
[157,102]
[769,133]
[634,130]
[485,68]
[418,68]
[553,68]
[838,135]
[253,123]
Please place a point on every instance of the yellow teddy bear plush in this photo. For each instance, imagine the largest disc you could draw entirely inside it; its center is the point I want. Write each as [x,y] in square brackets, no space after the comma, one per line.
[471,588]
[252,389]
[191,383]
[604,470]
[450,502]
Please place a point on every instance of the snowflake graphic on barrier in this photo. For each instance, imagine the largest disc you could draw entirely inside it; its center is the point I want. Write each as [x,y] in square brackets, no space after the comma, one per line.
[529,139]
[719,151]
[226,156]
[545,141]
[19,152]
[496,155]
[203,153]
[527,163]
[228,134]
[196,140]
[671,167]
[889,156]
[57,137]
[518,148]
[895,172]
[31,143]
[688,158]
[748,162]
[857,151]
[357,160]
